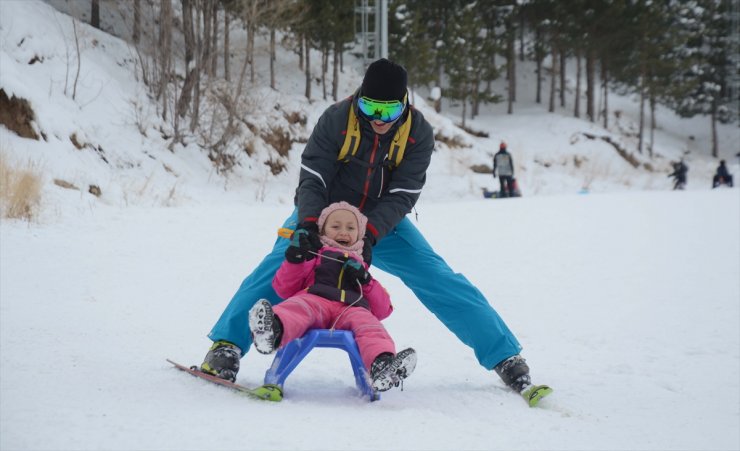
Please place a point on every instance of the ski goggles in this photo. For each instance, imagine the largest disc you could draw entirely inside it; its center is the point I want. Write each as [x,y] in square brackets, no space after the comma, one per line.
[381,110]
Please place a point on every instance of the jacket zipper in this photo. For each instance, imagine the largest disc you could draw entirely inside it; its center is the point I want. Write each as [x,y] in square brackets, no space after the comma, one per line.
[382,178]
[369,173]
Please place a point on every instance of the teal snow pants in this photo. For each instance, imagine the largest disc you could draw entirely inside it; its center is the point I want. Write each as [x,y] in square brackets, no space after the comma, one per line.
[405,253]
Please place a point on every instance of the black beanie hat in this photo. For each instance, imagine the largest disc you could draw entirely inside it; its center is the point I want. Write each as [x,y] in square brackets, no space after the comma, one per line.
[384,80]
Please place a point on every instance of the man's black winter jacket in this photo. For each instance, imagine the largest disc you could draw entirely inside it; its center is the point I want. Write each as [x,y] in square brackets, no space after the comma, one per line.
[384,194]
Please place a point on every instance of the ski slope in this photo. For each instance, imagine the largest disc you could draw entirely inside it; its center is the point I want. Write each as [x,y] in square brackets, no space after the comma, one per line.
[627,304]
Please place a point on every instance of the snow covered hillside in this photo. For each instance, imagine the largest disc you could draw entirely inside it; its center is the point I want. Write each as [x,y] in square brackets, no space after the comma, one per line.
[110,137]
[627,304]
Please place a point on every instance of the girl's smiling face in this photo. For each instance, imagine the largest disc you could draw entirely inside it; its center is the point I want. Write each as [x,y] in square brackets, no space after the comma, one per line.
[341,226]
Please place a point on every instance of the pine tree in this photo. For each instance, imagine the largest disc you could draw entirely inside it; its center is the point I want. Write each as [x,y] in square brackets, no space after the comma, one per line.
[466,53]
[707,81]
[642,56]
[409,42]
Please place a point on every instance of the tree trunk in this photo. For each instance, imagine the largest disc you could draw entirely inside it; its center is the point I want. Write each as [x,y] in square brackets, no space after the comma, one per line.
[577,106]
[605,88]
[95,14]
[300,51]
[465,108]
[412,91]
[512,88]
[335,78]
[240,85]
[214,41]
[562,78]
[653,125]
[521,34]
[510,70]
[489,81]
[165,51]
[538,71]
[324,67]
[590,94]
[183,104]
[272,57]
[136,35]
[227,47]
[308,70]
[438,100]
[642,113]
[553,78]
[475,101]
[715,143]
[195,118]
[205,63]
[251,29]
[79,59]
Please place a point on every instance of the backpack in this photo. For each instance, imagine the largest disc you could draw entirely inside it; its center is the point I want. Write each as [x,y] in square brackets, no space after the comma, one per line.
[352,139]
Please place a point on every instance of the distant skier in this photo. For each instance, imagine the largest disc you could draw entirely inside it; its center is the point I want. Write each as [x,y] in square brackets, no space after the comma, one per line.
[332,288]
[503,163]
[679,174]
[722,177]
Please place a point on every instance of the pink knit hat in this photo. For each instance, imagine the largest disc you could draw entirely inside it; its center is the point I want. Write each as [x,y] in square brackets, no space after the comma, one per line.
[355,248]
[361,219]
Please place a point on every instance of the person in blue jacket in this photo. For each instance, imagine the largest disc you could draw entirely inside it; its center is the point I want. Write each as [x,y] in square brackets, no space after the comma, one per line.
[385,191]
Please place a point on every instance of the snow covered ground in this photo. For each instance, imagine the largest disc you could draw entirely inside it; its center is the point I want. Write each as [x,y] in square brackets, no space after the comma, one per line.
[627,300]
[627,304]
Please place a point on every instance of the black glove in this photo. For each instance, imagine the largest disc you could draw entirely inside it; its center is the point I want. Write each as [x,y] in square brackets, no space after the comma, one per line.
[367,248]
[313,234]
[353,270]
[304,243]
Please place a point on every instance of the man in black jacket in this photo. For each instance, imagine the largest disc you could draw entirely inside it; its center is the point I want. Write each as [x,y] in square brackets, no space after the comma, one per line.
[384,188]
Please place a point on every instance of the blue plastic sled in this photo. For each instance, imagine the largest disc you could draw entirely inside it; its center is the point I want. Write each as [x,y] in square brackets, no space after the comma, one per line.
[289,356]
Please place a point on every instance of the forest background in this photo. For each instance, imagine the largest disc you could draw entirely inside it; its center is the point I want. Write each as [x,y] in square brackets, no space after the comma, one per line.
[680,54]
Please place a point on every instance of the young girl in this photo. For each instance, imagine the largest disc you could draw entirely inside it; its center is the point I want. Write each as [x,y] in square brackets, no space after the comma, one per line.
[333,290]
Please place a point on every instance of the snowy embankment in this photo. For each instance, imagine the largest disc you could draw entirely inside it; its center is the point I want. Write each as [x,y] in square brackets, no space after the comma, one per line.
[627,304]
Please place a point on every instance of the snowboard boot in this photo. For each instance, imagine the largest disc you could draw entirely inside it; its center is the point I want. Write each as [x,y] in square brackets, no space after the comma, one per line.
[389,371]
[222,360]
[514,371]
[267,330]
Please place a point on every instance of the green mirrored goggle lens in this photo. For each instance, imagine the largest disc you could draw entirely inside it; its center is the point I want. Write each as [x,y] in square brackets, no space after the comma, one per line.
[380,110]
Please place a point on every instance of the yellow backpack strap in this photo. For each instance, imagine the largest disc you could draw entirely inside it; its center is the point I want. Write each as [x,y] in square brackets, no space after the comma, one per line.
[352,136]
[398,146]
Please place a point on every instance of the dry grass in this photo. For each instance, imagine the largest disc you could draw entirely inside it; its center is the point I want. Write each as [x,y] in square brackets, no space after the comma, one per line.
[279,139]
[20,190]
[454,142]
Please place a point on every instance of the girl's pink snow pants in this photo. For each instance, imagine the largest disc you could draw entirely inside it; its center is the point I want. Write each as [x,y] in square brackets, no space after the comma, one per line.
[306,311]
